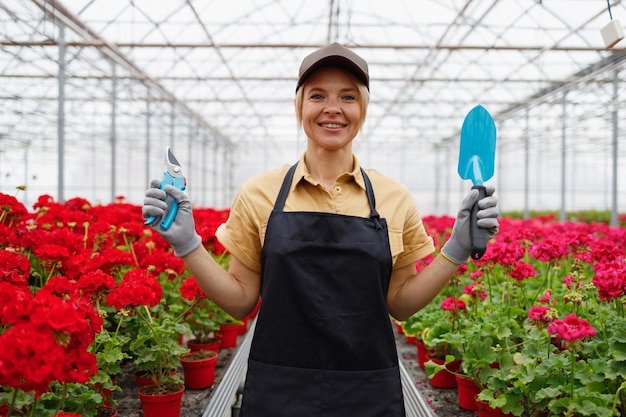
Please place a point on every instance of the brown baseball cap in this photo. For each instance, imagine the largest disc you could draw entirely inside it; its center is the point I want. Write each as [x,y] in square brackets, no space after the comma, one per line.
[334,55]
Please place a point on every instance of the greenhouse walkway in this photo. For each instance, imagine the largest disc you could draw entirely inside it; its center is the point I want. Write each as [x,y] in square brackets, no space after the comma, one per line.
[226,398]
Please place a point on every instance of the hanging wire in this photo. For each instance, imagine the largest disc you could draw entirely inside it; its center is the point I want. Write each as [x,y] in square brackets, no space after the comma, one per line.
[608,3]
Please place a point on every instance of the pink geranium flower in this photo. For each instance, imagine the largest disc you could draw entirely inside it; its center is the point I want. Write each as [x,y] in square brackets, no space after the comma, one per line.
[610,278]
[453,304]
[571,328]
[523,270]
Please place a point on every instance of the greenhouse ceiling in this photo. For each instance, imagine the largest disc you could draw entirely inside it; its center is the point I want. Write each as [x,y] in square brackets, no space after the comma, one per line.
[79,80]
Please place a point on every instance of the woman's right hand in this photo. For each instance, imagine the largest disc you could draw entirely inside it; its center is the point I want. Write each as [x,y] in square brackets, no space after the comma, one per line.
[181,235]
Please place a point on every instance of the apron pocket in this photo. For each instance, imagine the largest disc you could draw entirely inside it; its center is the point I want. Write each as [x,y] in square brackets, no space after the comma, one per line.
[376,393]
[281,391]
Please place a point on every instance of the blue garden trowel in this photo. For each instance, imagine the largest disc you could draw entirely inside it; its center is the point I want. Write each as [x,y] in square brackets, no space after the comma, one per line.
[476,160]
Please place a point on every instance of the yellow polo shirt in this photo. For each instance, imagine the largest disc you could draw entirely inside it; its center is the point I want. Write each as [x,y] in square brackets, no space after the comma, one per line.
[244,231]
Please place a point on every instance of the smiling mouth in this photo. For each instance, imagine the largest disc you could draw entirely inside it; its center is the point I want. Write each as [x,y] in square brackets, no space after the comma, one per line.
[332,125]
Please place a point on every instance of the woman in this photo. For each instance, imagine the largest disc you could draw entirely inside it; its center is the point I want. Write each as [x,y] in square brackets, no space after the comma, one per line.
[331,249]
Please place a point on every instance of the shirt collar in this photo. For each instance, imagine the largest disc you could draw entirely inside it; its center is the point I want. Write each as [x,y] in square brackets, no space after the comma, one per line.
[302,174]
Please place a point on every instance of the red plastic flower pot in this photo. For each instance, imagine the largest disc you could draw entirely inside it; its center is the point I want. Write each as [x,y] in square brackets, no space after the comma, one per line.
[243,328]
[422,353]
[161,405]
[228,335]
[194,346]
[199,373]
[144,381]
[467,390]
[485,411]
[443,378]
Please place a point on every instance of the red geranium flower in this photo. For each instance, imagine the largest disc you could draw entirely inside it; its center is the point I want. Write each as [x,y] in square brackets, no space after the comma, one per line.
[95,283]
[60,285]
[12,207]
[191,291]
[162,261]
[110,260]
[48,342]
[51,252]
[137,288]
[14,267]
[12,299]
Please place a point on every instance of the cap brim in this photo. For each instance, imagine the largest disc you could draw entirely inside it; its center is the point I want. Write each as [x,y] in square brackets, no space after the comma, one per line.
[334,55]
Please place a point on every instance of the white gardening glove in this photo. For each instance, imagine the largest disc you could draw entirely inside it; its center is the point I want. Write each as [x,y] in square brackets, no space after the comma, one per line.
[459,248]
[181,235]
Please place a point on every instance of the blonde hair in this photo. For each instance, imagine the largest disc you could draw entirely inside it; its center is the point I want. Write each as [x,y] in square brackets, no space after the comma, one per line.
[364,99]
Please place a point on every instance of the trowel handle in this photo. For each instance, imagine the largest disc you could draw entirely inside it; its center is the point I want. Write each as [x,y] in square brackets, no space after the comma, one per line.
[478,234]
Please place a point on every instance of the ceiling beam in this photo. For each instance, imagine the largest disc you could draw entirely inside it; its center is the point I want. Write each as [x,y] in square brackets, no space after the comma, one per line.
[205,45]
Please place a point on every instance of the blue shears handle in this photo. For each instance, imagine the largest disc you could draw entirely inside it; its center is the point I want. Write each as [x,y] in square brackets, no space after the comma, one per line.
[178,182]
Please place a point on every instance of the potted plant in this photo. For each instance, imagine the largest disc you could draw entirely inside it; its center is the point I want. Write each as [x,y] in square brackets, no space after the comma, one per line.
[441,355]
[230,328]
[200,317]
[199,364]
[155,348]
[418,323]
[199,368]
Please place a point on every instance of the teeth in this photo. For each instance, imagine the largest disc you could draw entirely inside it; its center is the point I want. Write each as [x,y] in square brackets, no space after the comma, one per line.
[331,125]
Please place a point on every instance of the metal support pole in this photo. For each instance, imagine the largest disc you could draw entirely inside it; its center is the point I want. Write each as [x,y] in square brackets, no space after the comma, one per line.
[614,120]
[189,167]
[437,179]
[215,197]
[113,130]
[148,131]
[61,116]
[203,165]
[172,121]
[562,217]
[26,173]
[526,166]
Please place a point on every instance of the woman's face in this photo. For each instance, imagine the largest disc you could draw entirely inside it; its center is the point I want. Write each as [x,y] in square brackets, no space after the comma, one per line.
[331,109]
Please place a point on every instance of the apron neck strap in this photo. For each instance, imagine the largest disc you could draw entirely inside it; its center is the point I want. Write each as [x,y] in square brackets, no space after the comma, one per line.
[284,191]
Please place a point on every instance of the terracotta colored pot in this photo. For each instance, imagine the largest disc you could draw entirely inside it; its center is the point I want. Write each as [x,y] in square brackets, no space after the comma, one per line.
[485,411]
[199,373]
[161,405]
[467,390]
[444,379]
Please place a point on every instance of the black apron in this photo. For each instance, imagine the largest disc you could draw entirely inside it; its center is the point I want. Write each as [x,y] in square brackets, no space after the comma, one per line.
[323,344]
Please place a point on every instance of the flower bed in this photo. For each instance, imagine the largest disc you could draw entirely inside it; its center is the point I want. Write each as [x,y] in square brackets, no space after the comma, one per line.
[86,290]
[539,321]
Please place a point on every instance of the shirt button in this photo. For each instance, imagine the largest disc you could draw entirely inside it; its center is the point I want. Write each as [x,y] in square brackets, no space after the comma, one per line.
[337,188]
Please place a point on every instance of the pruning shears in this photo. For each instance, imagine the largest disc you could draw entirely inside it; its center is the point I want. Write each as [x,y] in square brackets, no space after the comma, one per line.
[173,175]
